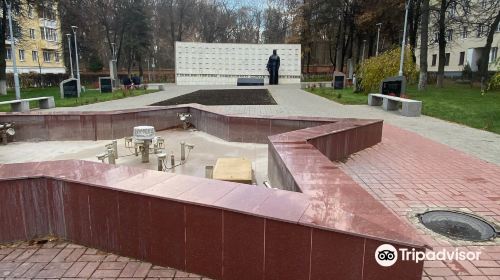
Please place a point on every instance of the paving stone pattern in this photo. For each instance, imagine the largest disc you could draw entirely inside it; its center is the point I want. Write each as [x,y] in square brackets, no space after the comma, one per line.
[62,260]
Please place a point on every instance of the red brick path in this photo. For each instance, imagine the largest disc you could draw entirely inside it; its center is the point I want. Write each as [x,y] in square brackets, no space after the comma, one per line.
[62,260]
[411,174]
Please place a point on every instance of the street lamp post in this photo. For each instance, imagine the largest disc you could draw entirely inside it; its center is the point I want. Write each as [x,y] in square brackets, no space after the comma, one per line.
[154,64]
[379,25]
[13,52]
[363,55]
[113,50]
[407,5]
[79,85]
[70,56]
[149,71]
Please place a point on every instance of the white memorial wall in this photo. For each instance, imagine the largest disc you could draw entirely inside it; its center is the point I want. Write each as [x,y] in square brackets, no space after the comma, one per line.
[223,64]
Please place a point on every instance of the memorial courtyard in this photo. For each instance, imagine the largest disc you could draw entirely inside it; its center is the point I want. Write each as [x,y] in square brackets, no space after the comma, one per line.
[419,164]
[250,140]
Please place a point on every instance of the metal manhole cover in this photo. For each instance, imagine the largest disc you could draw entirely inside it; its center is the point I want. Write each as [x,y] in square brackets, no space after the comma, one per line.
[458,225]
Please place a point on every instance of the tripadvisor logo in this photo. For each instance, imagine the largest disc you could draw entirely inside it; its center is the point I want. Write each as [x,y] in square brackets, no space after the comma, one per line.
[387,255]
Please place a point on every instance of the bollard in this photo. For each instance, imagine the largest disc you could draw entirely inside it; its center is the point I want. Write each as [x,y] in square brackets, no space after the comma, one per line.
[161,159]
[145,151]
[172,160]
[183,151]
[115,148]
[111,156]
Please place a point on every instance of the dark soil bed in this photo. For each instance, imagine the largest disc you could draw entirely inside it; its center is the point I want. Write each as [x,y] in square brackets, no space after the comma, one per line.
[223,97]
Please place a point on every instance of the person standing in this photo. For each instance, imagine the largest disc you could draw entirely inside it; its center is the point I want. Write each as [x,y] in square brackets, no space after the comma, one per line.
[273,66]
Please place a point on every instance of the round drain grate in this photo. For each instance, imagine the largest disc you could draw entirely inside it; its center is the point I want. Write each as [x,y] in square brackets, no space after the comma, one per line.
[458,225]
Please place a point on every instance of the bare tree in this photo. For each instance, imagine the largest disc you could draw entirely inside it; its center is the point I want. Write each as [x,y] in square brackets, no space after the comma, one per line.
[444,5]
[483,70]
[424,43]
[16,6]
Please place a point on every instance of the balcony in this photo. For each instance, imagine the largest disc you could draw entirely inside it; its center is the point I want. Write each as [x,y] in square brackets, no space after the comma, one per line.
[48,23]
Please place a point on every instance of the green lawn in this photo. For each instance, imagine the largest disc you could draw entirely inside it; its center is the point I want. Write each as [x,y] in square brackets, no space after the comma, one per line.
[88,97]
[456,103]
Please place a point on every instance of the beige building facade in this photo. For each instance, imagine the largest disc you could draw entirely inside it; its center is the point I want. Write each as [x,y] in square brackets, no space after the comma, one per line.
[39,49]
[465,40]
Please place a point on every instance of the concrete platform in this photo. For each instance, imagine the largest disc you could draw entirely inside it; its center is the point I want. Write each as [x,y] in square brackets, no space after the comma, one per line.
[206,152]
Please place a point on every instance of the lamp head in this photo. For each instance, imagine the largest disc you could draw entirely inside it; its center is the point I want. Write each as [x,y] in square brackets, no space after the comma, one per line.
[74,27]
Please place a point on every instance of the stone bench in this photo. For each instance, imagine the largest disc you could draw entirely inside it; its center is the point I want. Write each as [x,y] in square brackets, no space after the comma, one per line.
[23,105]
[410,108]
[306,85]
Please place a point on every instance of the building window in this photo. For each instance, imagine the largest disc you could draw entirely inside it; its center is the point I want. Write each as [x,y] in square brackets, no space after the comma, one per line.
[452,10]
[462,58]
[449,35]
[493,54]
[8,53]
[42,33]
[21,55]
[32,34]
[436,37]
[48,34]
[34,55]
[46,56]
[465,32]
[30,11]
[446,59]
[434,59]
[56,57]
[48,12]
[480,29]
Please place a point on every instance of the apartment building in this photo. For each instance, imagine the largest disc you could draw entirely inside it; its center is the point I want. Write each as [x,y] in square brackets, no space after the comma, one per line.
[39,46]
[465,39]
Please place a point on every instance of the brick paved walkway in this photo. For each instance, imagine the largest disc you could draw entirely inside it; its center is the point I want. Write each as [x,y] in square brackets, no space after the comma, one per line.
[62,260]
[411,174]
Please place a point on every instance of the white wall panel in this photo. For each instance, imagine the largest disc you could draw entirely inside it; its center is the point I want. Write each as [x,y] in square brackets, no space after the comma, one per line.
[223,64]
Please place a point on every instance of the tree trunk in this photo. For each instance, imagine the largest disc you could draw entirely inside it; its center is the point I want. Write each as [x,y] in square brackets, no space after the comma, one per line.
[337,39]
[141,70]
[424,42]
[484,61]
[309,57]
[416,15]
[3,62]
[442,43]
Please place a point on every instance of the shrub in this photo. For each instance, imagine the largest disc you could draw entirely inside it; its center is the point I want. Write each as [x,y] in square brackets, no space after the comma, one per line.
[467,72]
[495,80]
[95,64]
[375,69]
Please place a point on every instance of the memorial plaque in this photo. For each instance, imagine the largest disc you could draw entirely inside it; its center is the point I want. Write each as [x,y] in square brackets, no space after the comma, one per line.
[394,86]
[250,82]
[338,80]
[106,84]
[69,88]
[338,83]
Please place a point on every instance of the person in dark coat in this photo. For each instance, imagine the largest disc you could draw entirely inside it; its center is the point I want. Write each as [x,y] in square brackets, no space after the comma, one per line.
[136,80]
[273,66]
[127,84]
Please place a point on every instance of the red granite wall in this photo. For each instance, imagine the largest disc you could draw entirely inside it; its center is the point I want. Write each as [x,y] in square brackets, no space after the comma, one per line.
[202,239]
